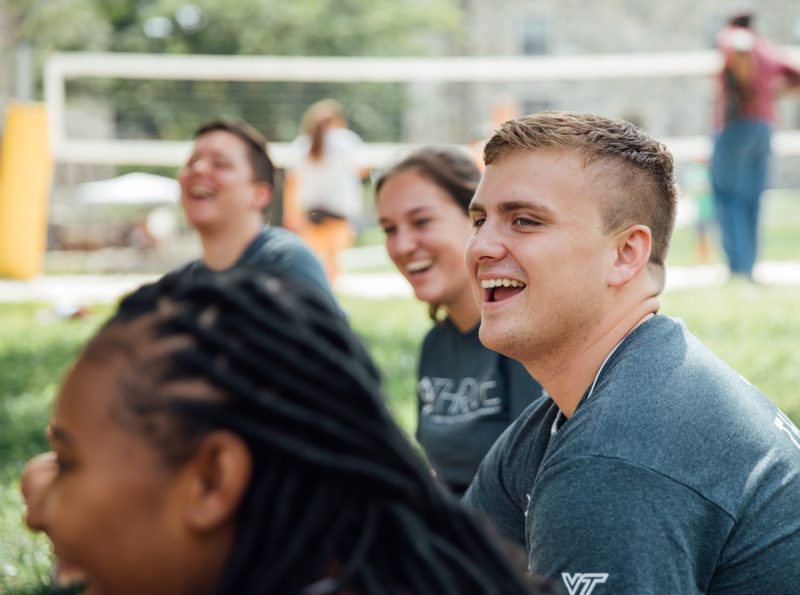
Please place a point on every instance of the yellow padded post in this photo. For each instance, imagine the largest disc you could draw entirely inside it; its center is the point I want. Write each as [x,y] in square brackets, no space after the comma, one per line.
[26,170]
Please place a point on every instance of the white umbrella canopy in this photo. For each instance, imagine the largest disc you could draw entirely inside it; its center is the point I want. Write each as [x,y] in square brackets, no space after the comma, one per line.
[135,188]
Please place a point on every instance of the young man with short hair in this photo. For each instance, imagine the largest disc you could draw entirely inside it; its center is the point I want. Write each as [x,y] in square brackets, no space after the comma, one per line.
[225,187]
[649,466]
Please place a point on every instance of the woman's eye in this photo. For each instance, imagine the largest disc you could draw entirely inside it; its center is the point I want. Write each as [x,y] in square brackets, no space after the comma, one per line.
[422,222]
[478,222]
[389,230]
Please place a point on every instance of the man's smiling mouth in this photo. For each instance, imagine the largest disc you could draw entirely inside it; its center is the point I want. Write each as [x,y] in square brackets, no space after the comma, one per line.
[200,191]
[497,290]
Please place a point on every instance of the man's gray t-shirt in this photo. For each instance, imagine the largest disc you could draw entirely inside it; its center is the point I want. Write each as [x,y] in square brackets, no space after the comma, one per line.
[278,249]
[675,475]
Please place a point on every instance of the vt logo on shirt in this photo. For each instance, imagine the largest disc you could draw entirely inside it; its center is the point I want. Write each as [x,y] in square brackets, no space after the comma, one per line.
[583,583]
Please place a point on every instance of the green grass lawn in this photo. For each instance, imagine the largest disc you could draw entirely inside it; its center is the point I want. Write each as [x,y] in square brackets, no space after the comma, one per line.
[35,350]
[780,239]
[754,329]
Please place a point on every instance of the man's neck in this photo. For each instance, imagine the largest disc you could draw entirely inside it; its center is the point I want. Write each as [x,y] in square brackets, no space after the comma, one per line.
[222,248]
[567,376]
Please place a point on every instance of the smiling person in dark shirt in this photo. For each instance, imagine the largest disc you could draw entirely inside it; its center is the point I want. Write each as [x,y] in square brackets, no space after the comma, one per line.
[467,393]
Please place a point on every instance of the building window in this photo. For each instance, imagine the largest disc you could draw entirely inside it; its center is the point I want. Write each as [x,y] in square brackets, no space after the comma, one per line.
[533,106]
[534,36]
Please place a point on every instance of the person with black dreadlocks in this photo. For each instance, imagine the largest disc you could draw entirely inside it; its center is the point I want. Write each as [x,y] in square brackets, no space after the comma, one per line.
[186,465]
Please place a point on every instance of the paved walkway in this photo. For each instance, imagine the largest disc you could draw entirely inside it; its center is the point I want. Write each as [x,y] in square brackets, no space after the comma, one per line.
[68,290]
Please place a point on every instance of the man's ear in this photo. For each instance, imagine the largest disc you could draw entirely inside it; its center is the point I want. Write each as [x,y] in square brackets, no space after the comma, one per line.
[632,254]
[218,476]
[263,196]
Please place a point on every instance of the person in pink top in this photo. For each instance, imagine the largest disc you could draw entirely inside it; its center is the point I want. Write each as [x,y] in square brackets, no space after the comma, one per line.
[752,75]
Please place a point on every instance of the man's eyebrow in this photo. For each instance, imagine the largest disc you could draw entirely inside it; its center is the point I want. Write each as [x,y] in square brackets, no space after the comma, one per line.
[476,207]
[511,205]
[517,205]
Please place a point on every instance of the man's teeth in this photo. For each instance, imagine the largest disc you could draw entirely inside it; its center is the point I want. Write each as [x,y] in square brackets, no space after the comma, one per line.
[490,283]
[199,191]
[418,265]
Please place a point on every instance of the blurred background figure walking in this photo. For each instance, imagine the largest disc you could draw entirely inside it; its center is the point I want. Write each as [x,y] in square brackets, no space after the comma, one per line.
[753,74]
[504,107]
[324,192]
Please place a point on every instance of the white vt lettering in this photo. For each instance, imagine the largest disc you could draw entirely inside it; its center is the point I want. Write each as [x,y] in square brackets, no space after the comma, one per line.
[583,583]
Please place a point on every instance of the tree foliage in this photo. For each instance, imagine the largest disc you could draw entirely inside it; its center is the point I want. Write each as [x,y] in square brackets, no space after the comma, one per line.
[240,27]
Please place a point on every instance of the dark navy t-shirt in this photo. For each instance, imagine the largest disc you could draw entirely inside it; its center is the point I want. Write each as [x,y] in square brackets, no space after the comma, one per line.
[675,475]
[468,395]
[278,249]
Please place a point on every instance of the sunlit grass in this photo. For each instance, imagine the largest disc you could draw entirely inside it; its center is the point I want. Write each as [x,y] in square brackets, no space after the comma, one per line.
[35,350]
[752,328]
[780,240]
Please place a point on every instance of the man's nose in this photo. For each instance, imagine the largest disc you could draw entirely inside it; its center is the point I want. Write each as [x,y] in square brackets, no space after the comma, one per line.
[197,165]
[484,244]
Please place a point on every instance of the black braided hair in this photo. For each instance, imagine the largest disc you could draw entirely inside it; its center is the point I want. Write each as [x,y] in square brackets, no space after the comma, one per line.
[339,502]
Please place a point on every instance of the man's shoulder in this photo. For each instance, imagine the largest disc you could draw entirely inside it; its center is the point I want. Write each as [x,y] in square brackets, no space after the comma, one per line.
[190,268]
[275,244]
[281,249]
[668,404]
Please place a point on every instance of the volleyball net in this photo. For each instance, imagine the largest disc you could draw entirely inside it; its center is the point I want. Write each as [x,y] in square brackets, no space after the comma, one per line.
[141,109]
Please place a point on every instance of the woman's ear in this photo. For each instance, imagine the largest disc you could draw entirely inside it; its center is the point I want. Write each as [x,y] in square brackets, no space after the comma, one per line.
[633,246]
[217,476]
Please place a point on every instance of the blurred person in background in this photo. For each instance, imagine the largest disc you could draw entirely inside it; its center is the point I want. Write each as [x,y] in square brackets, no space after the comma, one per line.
[467,393]
[504,107]
[226,185]
[324,192]
[753,73]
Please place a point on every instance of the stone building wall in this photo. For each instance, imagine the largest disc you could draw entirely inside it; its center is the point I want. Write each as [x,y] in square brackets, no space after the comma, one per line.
[665,107]
[6,61]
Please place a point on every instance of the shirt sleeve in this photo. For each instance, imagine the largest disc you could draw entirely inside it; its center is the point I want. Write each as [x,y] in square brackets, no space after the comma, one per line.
[607,526]
[286,252]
